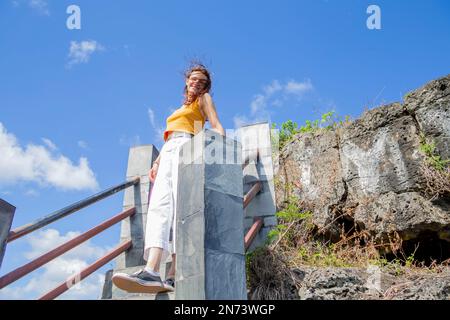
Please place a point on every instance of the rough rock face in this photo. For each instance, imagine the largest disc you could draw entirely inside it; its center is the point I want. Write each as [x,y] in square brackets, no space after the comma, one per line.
[371,168]
[430,105]
[315,172]
[407,213]
[331,284]
[362,284]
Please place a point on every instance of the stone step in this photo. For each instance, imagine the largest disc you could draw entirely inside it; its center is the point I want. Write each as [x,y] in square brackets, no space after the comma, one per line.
[146,296]
[111,292]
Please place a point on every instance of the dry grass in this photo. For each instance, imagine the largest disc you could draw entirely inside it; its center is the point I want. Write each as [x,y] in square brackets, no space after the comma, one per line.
[269,276]
[437,181]
[300,244]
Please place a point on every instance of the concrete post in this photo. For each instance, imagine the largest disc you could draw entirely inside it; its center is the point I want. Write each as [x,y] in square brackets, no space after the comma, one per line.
[6,217]
[258,137]
[107,286]
[209,239]
[140,160]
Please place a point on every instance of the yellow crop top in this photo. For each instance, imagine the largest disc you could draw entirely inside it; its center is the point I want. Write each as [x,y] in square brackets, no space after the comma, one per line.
[185,119]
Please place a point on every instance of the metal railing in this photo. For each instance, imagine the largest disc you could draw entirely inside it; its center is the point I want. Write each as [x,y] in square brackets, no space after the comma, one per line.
[38,224]
[63,287]
[258,222]
[63,248]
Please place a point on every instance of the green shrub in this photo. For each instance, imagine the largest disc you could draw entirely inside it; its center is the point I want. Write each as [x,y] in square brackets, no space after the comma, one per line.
[327,121]
[429,150]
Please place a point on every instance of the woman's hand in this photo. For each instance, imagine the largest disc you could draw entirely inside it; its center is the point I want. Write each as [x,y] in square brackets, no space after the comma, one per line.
[153,172]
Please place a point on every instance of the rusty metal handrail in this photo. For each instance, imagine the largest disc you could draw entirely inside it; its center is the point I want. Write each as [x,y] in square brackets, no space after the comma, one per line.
[251,234]
[251,194]
[38,262]
[26,229]
[63,287]
[248,197]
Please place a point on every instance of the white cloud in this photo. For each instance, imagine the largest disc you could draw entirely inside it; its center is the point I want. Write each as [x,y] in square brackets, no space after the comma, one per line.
[38,163]
[272,88]
[82,144]
[41,6]
[274,94]
[151,116]
[49,144]
[160,134]
[159,130]
[242,120]
[259,102]
[31,193]
[298,88]
[60,269]
[277,103]
[239,121]
[130,141]
[80,52]
[45,240]
[172,109]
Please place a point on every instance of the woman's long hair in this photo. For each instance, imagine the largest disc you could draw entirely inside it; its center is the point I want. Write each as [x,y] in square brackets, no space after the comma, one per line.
[189,98]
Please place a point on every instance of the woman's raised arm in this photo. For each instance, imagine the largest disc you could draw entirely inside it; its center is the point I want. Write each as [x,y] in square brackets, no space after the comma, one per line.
[208,108]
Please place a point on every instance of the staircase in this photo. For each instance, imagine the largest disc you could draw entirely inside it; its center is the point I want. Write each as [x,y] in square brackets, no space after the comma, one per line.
[231,211]
[256,186]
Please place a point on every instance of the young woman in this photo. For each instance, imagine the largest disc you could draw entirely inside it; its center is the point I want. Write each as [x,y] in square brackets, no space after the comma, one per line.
[190,118]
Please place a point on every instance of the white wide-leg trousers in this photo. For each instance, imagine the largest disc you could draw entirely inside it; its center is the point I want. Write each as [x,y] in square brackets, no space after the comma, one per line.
[161,213]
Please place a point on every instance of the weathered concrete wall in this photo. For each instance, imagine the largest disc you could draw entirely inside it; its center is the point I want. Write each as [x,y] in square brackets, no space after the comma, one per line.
[6,217]
[209,243]
[371,168]
[253,138]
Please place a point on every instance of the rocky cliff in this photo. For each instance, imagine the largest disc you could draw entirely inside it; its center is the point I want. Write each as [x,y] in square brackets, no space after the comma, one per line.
[370,172]
[375,175]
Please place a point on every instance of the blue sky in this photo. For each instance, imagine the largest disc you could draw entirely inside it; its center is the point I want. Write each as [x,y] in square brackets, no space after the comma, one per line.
[72,102]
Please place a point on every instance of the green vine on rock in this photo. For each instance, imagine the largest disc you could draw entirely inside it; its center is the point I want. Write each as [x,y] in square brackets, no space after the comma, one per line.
[435,170]
[429,150]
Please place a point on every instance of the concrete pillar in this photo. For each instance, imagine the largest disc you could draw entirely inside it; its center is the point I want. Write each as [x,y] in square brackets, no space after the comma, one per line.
[258,137]
[6,217]
[140,160]
[107,286]
[209,239]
